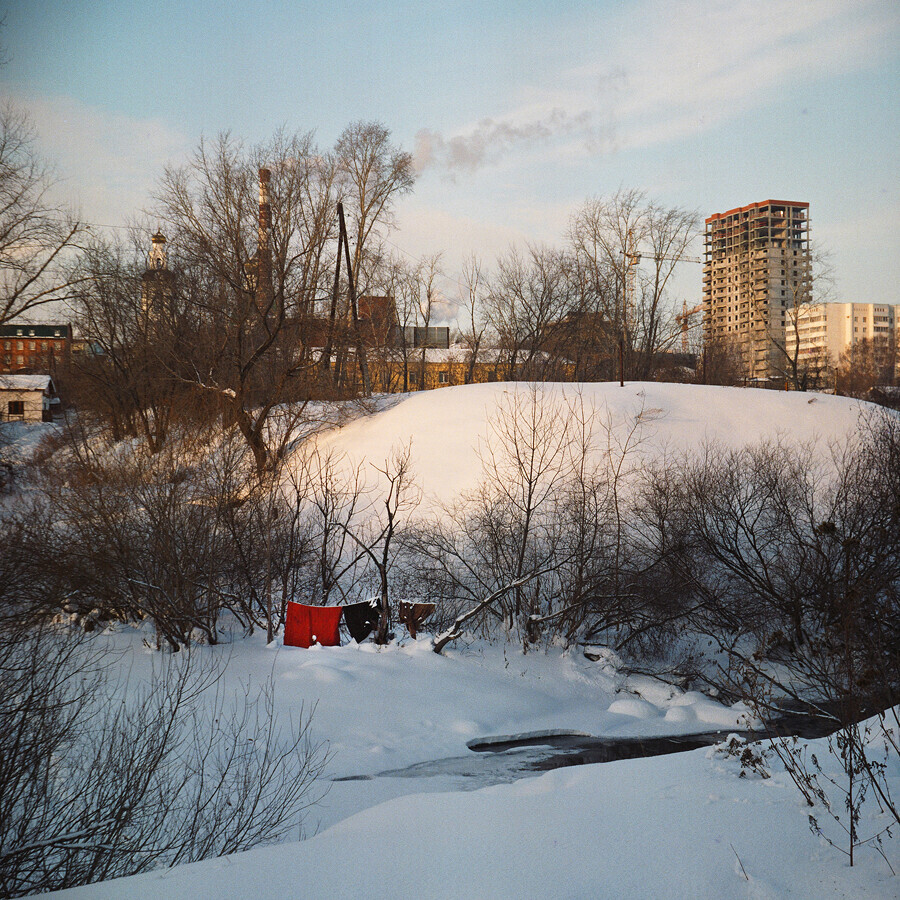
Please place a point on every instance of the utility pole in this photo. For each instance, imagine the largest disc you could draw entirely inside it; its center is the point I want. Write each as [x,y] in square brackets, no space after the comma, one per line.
[354,311]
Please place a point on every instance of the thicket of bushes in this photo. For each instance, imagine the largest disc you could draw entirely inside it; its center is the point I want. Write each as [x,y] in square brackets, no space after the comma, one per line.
[777,548]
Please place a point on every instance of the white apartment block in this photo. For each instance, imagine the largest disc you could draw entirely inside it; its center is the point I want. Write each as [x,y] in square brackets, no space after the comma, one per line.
[756,268]
[826,330]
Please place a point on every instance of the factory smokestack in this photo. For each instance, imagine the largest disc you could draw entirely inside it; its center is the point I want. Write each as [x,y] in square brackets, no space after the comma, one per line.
[263,250]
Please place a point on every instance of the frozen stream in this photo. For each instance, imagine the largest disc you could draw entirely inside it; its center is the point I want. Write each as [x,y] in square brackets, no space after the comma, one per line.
[503,759]
[506,758]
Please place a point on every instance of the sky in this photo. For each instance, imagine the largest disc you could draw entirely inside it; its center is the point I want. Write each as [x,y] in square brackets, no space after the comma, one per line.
[516,112]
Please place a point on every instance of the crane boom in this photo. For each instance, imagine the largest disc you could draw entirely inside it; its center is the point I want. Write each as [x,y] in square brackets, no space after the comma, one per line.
[632,260]
[683,318]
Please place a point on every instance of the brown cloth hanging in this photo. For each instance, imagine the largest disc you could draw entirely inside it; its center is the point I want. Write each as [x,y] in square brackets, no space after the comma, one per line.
[413,615]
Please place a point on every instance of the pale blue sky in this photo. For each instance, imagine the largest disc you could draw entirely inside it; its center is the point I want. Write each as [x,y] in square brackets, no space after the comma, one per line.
[517,111]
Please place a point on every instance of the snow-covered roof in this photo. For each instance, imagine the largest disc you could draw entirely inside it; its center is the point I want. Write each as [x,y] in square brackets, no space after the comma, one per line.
[26,383]
[459,353]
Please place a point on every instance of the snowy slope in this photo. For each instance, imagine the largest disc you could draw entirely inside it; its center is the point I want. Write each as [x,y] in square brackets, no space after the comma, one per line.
[446,427]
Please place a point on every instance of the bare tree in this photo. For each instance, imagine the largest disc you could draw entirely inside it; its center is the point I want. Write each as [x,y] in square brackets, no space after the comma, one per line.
[372,174]
[498,552]
[809,282]
[424,278]
[608,236]
[96,786]
[355,525]
[254,253]
[720,363]
[864,365]
[376,539]
[475,321]
[400,284]
[270,547]
[138,382]
[36,234]
[333,496]
[528,297]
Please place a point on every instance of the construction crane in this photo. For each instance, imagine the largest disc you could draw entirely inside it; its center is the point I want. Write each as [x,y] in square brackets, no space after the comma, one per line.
[632,261]
[682,319]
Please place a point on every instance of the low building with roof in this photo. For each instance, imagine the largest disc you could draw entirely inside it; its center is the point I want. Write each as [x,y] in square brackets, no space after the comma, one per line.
[27,398]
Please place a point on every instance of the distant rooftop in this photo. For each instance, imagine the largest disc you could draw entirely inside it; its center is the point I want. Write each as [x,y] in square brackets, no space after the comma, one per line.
[23,329]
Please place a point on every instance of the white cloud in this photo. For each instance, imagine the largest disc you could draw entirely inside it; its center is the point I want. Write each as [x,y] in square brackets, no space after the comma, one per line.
[667,71]
[106,164]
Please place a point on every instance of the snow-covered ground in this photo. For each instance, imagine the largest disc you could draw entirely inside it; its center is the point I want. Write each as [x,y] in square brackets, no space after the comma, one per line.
[415,813]
[678,826]
[20,440]
[668,828]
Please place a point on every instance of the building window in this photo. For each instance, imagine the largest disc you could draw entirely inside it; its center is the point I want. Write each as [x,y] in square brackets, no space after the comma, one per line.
[443,378]
[16,408]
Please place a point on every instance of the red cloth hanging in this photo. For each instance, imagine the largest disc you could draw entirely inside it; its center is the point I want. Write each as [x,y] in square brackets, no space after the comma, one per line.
[308,625]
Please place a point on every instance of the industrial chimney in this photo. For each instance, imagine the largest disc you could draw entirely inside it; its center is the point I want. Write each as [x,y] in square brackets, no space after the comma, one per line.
[264,251]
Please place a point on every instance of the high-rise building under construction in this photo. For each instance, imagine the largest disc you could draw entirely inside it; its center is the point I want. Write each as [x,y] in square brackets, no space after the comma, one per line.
[756,270]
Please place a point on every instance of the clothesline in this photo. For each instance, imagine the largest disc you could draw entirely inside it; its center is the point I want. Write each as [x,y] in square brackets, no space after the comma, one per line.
[308,625]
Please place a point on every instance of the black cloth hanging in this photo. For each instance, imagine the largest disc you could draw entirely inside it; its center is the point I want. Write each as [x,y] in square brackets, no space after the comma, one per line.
[361,618]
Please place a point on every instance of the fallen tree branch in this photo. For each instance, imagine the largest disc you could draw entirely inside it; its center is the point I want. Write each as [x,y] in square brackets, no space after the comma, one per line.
[454,632]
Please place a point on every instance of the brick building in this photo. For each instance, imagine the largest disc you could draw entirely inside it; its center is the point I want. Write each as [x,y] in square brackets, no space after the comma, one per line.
[33,348]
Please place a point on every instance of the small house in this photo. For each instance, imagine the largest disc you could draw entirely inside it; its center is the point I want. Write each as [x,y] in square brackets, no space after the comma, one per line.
[27,398]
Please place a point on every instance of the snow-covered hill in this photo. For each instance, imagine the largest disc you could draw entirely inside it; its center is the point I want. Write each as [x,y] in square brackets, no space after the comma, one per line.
[446,428]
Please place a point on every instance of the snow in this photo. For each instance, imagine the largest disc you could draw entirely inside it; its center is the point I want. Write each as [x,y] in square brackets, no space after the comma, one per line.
[425,816]
[25,382]
[448,427]
[20,440]
[422,815]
